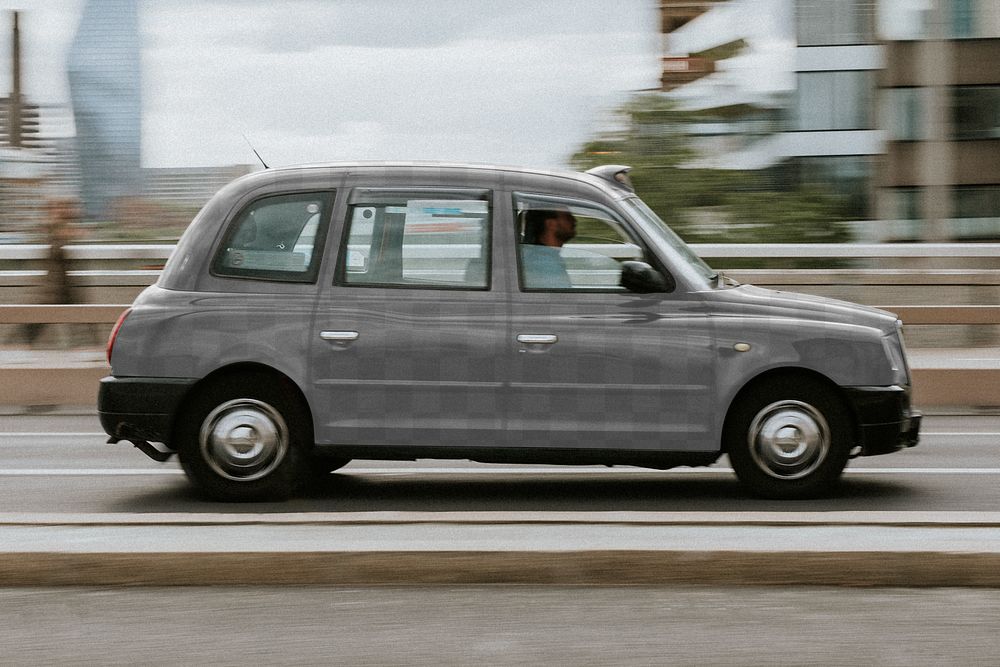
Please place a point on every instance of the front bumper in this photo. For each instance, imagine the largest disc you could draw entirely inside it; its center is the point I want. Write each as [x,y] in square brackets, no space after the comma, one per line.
[141,408]
[886,420]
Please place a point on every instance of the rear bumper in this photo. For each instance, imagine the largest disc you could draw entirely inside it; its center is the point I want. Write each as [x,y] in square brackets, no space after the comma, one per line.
[886,420]
[137,408]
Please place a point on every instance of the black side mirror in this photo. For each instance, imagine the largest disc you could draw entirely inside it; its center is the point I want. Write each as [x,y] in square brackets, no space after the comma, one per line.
[642,278]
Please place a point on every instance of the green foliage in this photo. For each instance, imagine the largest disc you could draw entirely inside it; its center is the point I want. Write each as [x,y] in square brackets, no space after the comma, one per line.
[707,205]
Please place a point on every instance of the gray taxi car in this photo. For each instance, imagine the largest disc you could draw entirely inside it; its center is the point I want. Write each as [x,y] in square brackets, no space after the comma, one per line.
[314,315]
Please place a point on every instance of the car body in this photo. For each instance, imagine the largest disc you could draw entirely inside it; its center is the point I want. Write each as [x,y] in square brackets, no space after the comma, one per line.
[314,315]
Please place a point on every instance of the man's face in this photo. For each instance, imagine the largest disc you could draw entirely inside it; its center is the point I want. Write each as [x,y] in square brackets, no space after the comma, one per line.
[563,225]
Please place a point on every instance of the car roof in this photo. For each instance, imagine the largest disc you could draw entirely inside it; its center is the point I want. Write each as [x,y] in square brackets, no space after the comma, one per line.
[432,170]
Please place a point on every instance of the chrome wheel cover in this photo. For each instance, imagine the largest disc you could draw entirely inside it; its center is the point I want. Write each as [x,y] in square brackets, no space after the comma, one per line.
[789,439]
[244,439]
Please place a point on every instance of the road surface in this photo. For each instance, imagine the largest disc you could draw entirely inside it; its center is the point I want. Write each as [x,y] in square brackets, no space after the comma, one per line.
[500,625]
[60,463]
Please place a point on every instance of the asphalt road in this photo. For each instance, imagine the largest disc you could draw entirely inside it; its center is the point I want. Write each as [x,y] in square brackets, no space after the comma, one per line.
[500,625]
[60,463]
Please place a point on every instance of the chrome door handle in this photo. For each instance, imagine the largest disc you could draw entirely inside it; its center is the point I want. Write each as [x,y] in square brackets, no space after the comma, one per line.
[339,336]
[537,339]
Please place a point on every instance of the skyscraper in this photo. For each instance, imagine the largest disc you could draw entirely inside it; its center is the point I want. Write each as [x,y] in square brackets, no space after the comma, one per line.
[104,76]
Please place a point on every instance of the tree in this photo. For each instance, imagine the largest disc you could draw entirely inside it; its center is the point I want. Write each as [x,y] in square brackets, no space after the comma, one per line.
[706,205]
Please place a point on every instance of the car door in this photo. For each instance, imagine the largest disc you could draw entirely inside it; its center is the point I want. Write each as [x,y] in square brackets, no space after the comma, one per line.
[594,366]
[408,341]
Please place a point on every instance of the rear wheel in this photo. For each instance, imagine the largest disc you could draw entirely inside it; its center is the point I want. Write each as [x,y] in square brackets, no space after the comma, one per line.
[788,438]
[243,437]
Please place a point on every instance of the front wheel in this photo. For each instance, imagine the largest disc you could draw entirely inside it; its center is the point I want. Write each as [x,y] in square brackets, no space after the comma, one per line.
[242,439]
[788,439]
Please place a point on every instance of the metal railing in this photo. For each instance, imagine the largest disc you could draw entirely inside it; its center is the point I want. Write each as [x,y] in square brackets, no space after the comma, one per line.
[938,384]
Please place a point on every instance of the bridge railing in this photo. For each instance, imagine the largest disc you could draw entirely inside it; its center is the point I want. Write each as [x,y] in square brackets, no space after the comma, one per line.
[948,295]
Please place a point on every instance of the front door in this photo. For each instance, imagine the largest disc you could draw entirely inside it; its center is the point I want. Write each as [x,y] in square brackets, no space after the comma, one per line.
[592,364]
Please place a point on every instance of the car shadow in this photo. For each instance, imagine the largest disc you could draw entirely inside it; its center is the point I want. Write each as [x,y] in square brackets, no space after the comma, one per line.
[539,493]
[346,491]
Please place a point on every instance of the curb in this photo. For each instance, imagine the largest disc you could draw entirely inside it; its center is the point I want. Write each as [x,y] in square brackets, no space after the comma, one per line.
[590,568]
[560,548]
[941,519]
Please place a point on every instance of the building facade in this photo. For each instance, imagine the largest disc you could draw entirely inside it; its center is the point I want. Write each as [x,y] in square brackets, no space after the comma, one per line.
[894,106]
[939,95]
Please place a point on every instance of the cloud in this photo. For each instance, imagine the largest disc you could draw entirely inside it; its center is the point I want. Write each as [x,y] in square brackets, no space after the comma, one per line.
[312,80]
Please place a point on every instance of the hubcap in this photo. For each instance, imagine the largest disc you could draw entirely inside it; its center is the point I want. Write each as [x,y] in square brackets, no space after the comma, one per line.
[789,439]
[244,439]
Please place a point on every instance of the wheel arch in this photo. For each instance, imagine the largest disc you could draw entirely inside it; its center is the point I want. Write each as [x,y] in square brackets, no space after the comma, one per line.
[789,374]
[244,368]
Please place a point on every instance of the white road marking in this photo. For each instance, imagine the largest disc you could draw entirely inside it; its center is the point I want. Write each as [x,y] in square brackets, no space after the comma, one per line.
[100,434]
[53,434]
[85,472]
[404,472]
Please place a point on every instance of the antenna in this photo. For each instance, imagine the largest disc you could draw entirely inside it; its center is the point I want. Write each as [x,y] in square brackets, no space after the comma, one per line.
[254,151]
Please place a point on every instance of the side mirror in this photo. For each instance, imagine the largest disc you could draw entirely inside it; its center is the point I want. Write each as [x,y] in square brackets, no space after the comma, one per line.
[642,278]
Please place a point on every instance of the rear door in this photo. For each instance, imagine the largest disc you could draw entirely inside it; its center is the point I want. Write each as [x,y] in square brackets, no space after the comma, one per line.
[408,342]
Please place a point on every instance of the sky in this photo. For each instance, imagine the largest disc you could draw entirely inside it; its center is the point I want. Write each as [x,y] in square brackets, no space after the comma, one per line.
[514,82]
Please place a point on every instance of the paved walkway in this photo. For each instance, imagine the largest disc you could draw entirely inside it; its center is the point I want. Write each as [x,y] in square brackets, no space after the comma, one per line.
[468,548]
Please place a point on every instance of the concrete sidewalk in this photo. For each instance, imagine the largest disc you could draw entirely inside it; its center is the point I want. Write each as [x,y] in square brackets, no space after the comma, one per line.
[650,548]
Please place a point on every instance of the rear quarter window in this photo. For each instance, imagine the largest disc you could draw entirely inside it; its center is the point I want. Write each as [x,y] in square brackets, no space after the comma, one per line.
[277,238]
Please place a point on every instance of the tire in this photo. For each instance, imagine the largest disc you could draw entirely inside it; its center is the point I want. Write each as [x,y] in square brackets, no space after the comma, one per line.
[788,438]
[244,438]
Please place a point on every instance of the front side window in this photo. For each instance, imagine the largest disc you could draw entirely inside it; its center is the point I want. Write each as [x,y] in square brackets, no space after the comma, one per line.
[420,238]
[569,245]
[276,238]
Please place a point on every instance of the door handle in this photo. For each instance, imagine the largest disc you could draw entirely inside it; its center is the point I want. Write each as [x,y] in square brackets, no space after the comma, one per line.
[339,336]
[537,339]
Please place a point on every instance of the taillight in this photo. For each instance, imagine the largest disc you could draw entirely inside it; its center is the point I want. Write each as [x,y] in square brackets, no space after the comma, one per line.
[114,332]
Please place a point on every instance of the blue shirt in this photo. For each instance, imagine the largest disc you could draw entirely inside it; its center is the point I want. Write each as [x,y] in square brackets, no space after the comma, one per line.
[543,267]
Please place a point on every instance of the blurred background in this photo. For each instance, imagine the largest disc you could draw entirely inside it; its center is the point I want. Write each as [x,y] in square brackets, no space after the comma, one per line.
[746,121]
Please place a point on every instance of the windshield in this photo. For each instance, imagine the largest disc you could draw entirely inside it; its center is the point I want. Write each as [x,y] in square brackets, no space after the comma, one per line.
[638,208]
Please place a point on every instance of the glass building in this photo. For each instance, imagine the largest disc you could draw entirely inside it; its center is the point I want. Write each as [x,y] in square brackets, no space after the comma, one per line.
[104,77]
[895,106]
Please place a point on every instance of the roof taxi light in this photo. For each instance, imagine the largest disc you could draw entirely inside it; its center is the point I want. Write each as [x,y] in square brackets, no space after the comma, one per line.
[616,173]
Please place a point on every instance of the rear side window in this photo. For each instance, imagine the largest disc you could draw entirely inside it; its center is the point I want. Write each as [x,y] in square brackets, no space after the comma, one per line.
[422,238]
[276,238]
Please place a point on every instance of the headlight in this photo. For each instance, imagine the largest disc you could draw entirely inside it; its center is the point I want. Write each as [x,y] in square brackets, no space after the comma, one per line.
[893,346]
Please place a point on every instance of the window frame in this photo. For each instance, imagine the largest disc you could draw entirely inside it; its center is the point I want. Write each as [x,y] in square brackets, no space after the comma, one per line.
[365,195]
[310,275]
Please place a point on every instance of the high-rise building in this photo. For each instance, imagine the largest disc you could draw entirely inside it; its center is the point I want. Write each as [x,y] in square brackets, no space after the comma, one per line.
[940,102]
[728,64]
[679,68]
[18,117]
[104,77]
[833,136]
[894,106]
